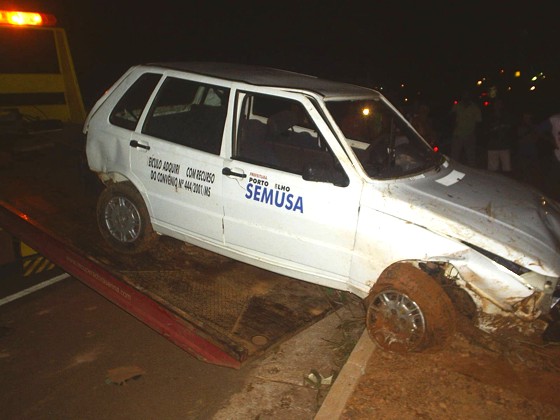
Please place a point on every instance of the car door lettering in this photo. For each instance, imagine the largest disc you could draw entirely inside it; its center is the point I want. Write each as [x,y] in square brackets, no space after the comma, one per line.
[200,175]
[155,163]
[274,197]
[196,188]
[168,179]
[258,181]
[164,172]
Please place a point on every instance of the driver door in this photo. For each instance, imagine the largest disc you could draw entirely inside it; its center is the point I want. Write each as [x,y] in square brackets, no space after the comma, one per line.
[270,210]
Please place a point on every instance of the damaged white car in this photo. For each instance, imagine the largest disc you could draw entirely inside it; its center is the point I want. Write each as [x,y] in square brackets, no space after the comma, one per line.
[328,183]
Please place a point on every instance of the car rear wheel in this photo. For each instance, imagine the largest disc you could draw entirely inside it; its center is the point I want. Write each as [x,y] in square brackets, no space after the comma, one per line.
[407,311]
[123,219]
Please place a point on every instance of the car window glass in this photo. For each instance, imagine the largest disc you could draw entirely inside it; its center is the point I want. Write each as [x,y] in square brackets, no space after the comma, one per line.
[129,108]
[279,133]
[189,113]
[384,144]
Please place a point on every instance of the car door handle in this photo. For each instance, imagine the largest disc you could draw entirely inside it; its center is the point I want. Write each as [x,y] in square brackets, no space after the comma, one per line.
[229,172]
[134,143]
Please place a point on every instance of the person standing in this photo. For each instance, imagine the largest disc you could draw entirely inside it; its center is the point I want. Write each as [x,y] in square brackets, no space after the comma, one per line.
[550,128]
[552,124]
[422,122]
[467,117]
[499,133]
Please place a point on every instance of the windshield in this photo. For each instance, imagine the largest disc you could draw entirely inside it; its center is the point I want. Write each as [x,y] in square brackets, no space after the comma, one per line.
[383,142]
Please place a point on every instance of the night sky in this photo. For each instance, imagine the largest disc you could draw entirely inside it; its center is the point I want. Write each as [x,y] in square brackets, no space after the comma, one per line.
[436,48]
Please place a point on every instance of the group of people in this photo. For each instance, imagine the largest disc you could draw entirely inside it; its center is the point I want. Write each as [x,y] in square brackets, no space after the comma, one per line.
[517,146]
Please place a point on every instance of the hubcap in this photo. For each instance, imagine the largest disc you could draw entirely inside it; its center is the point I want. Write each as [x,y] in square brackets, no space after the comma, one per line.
[122,219]
[395,321]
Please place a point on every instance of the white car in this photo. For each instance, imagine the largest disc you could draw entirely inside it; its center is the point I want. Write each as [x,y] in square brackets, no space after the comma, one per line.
[328,183]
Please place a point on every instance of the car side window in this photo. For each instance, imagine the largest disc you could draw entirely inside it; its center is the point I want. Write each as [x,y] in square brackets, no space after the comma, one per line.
[189,113]
[279,133]
[129,108]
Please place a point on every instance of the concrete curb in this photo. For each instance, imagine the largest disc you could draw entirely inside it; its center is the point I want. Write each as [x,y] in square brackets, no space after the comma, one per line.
[346,382]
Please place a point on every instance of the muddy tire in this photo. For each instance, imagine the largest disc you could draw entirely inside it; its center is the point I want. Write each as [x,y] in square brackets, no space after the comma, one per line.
[408,311]
[123,219]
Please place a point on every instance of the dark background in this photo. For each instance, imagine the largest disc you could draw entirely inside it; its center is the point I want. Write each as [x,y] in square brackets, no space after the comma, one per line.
[418,50]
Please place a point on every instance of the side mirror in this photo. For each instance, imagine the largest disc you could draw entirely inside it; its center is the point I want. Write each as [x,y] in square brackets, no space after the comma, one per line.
[320,172]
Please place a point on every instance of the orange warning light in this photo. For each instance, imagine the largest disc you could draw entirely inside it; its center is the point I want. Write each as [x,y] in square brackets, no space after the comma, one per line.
[18,18]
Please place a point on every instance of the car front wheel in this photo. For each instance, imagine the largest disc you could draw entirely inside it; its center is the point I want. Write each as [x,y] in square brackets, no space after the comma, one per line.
[407,311]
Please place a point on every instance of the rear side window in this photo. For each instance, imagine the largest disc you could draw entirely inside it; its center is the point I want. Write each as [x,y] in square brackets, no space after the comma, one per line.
[189,113]
[128,110]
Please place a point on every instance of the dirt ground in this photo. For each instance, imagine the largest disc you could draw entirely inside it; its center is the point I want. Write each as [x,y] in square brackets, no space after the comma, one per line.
[475,377]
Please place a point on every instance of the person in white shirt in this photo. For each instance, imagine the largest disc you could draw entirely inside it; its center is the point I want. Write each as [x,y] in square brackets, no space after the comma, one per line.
[554,121]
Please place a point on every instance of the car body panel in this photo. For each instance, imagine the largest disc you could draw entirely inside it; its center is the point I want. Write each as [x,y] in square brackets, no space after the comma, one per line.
[342,230]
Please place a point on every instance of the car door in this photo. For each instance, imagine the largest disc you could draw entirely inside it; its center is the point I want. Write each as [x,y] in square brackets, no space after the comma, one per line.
[175,157]
[271,212]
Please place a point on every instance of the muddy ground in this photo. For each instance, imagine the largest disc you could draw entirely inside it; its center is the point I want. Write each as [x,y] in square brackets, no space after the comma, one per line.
[475,377]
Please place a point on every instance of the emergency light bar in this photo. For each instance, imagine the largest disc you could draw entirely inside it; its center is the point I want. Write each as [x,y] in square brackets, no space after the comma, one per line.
[18,18]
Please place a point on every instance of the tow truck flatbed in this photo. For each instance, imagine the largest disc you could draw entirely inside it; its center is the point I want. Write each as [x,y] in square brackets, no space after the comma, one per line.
[221,311]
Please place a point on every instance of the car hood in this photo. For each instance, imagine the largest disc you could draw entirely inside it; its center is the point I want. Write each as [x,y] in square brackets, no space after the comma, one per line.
[488,210]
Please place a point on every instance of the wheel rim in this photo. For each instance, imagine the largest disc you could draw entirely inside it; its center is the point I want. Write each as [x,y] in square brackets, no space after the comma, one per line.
[122,219]
[395,321]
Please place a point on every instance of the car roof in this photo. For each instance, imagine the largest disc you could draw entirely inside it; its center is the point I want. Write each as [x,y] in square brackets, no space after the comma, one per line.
[266,76]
